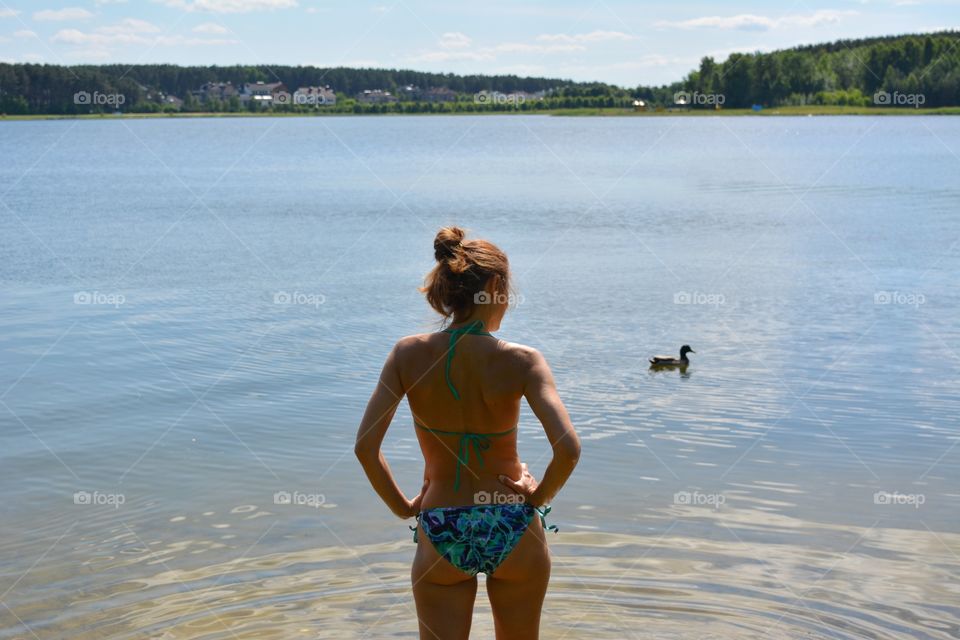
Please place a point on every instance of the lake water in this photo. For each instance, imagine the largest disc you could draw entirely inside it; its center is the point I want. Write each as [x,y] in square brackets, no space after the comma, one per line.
[194,312]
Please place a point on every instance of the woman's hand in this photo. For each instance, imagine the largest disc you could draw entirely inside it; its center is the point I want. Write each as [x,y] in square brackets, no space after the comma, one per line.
[526,486]
[413,506]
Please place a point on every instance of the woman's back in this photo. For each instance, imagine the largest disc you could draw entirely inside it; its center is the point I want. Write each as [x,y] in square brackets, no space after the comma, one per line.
[488,375]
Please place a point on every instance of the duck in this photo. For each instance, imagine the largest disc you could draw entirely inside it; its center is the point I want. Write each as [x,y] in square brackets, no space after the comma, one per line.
[668,361]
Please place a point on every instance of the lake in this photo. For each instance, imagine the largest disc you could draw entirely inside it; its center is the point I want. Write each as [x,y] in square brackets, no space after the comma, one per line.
[193,313]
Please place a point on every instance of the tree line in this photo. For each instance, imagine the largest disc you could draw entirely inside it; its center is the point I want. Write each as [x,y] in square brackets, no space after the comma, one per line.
[913,70]
[884,71]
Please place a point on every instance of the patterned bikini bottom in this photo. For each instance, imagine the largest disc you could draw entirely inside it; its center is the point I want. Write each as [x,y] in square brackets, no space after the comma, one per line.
[476,539]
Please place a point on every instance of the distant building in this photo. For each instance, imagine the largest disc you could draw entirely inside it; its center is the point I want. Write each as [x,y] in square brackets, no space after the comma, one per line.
[222,91]
[438,94]
[315,96]
[172,101]
[376,96]
[264,93]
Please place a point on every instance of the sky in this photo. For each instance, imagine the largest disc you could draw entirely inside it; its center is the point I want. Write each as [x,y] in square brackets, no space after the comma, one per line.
[622,42]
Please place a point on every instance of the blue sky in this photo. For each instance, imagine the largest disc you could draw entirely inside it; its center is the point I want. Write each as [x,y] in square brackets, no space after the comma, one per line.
[622,42]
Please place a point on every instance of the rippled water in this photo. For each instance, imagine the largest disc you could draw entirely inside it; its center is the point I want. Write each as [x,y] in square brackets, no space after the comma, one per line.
[192,314]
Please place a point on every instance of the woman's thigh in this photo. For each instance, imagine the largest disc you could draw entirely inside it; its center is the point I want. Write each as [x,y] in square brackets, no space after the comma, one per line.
[518,586]
[444,595]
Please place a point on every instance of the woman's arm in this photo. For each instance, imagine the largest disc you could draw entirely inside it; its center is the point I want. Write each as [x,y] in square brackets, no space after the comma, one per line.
[541,394]
[373,427]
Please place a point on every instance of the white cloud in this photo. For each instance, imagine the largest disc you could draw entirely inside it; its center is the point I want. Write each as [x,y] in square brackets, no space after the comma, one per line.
[24,33]
[486,54]
[522,47]
[210,27]
[593,36]
[750,22]
[7,12]
[70,13]
[454,40]
[445,56]
[816,18]
[130,31]
[129,26]
[229,6]
[100,3]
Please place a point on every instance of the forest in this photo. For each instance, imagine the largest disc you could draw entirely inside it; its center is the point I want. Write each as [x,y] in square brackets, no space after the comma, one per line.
[920,71]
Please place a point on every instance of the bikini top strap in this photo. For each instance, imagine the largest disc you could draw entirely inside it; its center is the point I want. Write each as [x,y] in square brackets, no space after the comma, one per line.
[474,328]
[479,442]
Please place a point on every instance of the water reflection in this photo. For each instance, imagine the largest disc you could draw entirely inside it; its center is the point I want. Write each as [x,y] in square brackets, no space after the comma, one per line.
[692,573]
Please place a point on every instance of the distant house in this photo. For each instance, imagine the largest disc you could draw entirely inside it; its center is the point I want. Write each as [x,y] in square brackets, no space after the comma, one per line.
[264,93]
[315,96]
[414,93]
[172,101]
[222,91]
[439,94]
[376,96]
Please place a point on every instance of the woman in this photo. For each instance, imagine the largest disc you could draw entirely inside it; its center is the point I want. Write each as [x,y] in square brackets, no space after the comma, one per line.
[479,510]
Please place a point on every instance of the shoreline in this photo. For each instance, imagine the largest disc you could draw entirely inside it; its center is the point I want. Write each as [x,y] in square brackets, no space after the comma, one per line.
[611,112]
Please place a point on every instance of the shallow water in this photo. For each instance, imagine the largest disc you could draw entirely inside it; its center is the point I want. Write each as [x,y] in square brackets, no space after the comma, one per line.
[736,500]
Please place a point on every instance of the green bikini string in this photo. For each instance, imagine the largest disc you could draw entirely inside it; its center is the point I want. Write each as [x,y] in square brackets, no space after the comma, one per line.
[474,328]
[480,442]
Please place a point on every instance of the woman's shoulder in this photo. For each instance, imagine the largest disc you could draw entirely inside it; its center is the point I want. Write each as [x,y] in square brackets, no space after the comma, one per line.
[515,351]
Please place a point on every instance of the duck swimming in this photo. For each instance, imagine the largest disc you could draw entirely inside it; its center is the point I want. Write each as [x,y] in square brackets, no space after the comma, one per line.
[667,361]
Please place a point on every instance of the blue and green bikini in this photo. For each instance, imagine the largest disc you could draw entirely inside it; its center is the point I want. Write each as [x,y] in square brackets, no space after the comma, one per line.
[476,538]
